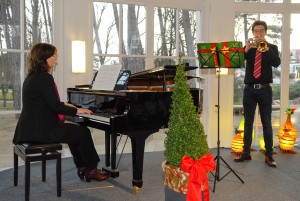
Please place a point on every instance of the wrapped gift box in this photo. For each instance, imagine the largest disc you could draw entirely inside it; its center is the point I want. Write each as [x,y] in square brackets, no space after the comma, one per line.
[207,54]
[231,54]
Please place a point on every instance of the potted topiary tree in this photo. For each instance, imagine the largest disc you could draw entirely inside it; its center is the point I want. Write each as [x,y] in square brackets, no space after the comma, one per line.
[188,157]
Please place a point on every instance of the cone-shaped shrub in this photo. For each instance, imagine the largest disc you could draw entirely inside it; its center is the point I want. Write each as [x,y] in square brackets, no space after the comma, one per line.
[185,135]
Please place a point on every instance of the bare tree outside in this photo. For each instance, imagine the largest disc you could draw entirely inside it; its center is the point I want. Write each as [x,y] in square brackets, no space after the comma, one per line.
[166,50]
[187,34]
[131,20]
[164,36]
[38,28]
[121,38]
[10,62]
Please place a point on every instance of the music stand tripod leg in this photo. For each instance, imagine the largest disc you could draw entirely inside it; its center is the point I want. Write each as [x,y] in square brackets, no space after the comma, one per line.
[231,170]
[218,157]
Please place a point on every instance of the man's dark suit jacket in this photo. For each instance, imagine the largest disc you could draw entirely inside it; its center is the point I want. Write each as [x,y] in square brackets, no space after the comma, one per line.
[269,59]
[41,106]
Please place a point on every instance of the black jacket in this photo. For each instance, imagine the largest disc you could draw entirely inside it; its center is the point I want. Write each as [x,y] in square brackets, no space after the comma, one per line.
[269,58]
[38,119]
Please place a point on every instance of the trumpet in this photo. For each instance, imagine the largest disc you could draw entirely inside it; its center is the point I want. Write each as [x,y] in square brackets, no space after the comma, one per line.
[261,45]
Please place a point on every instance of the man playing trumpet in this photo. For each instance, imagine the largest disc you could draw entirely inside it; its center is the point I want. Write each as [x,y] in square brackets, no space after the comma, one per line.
[260,56]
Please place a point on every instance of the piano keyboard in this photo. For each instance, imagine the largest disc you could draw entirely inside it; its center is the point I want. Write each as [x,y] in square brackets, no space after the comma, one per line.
[95,117]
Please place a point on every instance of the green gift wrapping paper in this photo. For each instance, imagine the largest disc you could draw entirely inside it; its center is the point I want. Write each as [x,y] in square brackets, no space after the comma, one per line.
[231,54]
[207,54]
[228,54]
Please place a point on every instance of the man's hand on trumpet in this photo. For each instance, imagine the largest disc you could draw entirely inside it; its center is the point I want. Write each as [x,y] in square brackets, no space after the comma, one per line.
[257,42]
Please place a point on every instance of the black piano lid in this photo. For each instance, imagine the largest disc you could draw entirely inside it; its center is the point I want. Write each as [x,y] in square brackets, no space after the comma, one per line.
[97,92]
[169,71]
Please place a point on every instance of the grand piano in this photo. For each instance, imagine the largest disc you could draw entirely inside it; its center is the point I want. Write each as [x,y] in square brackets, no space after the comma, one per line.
[137,111]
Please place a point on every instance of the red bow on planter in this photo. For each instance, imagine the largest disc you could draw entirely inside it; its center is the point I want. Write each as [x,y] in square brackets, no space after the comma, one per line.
[198,182]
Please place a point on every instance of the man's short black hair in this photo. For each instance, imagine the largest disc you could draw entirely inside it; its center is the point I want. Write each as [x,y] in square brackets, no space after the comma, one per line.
[259,22]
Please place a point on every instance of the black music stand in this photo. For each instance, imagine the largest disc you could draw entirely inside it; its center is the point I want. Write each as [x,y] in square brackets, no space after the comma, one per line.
[218,156]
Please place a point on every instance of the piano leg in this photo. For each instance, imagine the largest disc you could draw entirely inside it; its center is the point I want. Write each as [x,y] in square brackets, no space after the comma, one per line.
[107,149]
[138,146]
[113,150]
[112,138]
[138,139]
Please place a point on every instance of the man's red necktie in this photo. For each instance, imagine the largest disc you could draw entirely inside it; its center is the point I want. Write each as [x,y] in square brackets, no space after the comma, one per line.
[257,65]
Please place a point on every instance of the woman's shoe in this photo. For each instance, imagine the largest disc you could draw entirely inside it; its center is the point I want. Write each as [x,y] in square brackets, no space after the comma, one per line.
[81,173]
[95,174]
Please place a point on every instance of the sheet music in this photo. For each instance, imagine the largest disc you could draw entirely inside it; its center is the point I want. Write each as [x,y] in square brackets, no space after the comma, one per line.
[107,77]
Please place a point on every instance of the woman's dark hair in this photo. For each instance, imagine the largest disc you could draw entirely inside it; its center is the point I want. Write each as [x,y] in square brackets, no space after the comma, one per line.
[38,57]
[259,22]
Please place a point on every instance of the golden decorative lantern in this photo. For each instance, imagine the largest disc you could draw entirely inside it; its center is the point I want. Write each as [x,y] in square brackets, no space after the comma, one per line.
[288,125]
[286,142]
[237,144]
[241,128]
[262,143]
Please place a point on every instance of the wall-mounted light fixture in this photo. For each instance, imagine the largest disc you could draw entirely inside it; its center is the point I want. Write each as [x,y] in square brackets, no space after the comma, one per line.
[78,56]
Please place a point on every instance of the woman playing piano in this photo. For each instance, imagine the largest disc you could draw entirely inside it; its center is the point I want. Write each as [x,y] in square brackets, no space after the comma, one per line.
[42,120]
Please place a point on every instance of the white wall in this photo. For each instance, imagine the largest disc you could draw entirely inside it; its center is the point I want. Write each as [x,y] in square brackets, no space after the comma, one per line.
[220,18]
[73,20]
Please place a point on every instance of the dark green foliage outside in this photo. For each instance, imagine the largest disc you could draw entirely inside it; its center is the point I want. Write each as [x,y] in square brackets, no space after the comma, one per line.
[185,135]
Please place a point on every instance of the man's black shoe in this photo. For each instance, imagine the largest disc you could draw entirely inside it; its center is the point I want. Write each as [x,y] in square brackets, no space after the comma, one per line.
[270,161]
[242,158]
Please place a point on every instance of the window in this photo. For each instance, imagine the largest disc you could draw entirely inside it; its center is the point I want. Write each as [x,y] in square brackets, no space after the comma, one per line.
[119,35]
[122,37]
[243,22]
[19,29]
[174,37]
[294,71]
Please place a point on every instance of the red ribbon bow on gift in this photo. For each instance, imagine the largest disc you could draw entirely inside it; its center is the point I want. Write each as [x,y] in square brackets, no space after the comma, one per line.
[198,181]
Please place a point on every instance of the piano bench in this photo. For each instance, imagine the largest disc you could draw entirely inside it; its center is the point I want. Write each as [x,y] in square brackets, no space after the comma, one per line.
[30,152]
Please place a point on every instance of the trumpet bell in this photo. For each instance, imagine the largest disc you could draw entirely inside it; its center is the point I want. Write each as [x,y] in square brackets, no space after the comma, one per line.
[262,46]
